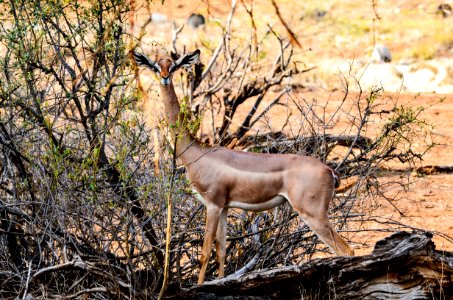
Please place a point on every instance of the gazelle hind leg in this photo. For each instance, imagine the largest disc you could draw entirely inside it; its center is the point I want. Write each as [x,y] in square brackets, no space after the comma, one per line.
[312,202]
[321,226]
[212,221]
[221,241]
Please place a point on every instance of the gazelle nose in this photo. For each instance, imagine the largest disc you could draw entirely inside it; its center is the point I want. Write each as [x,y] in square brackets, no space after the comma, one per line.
[165,80]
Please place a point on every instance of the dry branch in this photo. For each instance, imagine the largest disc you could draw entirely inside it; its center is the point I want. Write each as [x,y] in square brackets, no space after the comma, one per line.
[402,266]
[276,141]
[432,169]
[291,34]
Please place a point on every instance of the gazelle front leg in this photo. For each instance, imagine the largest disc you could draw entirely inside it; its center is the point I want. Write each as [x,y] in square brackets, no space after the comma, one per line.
[221,241]
[321,226]
[212,221]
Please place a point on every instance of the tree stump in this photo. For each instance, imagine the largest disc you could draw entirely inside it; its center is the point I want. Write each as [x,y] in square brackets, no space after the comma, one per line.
[402,266]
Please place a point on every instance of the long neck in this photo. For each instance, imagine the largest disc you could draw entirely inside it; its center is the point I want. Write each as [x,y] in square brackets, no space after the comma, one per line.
[172,108]
[187,147]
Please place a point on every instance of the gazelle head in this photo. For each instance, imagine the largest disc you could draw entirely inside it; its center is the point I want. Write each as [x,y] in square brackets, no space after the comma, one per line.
[164,65]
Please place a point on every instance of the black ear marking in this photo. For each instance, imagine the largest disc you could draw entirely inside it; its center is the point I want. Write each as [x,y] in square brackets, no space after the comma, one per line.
[144,61]
[174,56]
[188,59]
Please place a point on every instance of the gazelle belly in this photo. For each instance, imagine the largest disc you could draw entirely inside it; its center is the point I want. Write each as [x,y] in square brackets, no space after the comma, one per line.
[271,203]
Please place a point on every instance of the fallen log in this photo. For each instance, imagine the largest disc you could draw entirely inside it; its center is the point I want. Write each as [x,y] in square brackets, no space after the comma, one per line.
[431,170]
[402,266]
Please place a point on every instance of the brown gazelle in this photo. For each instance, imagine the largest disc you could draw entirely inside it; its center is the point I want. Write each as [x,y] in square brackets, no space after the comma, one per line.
[225,178]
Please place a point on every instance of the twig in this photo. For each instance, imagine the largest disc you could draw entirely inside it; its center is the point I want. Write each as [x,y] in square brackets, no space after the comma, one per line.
[77,263]
[291,34]
[84,292]
[359,129]
[28,280]
[169,218]
[254,39]
[174,38]
[222,40]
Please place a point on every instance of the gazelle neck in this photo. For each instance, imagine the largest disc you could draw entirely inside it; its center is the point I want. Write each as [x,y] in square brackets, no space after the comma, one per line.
[172,108]
[186,145]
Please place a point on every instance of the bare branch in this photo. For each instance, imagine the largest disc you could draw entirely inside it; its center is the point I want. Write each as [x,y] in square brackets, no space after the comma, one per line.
[222,40]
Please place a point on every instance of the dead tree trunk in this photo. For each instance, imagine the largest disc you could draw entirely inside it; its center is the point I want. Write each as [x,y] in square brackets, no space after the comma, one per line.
[402,266]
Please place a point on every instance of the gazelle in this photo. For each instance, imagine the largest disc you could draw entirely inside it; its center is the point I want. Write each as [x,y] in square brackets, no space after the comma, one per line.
[225,178]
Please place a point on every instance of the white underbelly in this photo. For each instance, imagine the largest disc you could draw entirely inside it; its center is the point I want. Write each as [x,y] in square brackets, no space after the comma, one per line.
[271,203]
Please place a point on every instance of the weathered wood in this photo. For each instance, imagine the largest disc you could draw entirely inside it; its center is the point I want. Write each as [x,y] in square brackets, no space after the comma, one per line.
[402,266]
[431,170]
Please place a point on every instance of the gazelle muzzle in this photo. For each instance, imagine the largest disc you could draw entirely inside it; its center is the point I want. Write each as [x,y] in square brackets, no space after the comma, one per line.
[165,80]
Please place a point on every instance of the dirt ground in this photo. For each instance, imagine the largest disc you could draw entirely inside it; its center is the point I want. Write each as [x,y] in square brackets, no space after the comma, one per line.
[414,32]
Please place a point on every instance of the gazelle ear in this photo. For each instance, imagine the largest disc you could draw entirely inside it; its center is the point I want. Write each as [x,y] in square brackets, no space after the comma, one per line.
[144,61]
[174,56]
[187,60]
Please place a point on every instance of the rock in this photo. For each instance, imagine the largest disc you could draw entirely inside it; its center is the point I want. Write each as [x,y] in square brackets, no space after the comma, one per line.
[444,9]
[196,20]
[158,18]
[381,54]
